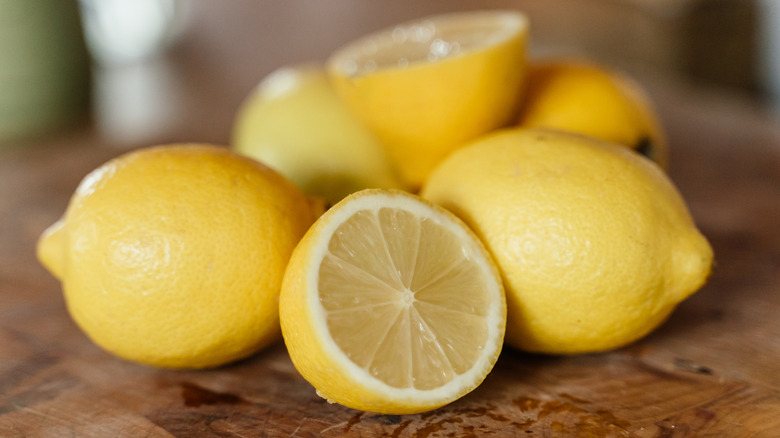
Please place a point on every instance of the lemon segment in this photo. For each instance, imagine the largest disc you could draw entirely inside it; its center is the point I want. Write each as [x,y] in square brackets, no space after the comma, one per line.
[595,244]
[425,87]
[295,123]
[587,98]
[174,255]
[392,305]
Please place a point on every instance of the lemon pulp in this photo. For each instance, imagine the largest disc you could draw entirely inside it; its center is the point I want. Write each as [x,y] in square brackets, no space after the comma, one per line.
[392,305]
[381,302]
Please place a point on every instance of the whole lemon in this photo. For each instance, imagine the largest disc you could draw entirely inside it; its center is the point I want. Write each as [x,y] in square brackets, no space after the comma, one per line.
[174,255]
[295,123]
[595,244]
[588,98]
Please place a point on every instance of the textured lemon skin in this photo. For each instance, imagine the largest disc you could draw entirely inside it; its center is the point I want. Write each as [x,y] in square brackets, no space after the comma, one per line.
[588,98]
[425,110]
[295,123]
[324,366]
[595,245]
[174,255]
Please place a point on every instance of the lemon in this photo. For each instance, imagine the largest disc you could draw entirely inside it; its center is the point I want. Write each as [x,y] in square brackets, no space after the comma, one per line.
[427,86]
[595,244]
[294,122]
[174,255]
[392,305]
[588,98]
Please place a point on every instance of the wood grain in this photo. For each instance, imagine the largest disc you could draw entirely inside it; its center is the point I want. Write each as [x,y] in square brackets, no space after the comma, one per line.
[710,371]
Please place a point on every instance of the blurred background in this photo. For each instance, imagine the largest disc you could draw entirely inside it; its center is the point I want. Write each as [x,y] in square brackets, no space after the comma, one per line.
[140,72]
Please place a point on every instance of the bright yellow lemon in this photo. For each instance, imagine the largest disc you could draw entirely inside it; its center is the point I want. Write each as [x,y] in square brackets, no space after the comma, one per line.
[595,244]
[391,304]
[588,98]
[174,255]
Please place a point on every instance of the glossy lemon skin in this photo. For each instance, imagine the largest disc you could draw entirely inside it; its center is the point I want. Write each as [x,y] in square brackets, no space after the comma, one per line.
[595,244]
[173,256]
[295,123]
[588,98]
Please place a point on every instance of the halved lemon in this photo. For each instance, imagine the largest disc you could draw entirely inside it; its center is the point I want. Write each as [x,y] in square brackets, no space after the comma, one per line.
[425,87]
[392,305]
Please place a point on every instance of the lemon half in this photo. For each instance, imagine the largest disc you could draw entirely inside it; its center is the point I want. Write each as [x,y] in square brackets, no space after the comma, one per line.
[392,305]
[425,87]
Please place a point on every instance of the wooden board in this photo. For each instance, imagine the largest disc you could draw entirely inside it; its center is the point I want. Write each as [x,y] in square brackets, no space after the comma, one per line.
[713,369]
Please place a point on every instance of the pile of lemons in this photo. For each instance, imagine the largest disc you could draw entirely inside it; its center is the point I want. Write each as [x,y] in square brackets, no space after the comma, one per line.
[397,214]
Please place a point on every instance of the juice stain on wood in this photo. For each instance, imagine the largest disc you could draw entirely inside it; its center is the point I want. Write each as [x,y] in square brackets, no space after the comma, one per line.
[195,395]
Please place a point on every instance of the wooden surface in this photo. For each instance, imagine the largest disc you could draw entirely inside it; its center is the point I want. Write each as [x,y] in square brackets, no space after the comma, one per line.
[712,370]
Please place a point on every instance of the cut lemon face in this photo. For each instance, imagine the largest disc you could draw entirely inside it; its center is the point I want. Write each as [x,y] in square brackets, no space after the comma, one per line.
[392,305]
[425,87]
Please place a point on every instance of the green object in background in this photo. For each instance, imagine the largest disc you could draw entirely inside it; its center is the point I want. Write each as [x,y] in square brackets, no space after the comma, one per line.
[44,67]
